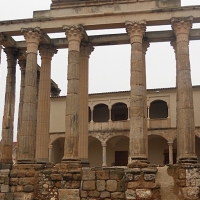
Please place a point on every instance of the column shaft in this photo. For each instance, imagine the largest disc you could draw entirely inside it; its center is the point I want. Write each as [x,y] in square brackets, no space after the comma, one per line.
[83,105]
[185,109]
[104,154]
[74,35]
[9,106]
[43,111]
[27,136]
[170,152]
[138,124]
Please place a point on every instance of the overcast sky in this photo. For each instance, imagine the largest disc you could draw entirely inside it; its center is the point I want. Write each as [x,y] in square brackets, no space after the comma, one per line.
[109,66]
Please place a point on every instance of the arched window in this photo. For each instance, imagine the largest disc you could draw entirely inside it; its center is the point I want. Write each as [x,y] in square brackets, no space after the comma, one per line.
[158,109]
[101,113]
[119,112]
[89,114]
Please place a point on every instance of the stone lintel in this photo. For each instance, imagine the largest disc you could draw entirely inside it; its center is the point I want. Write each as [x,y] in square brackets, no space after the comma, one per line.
[54,20]
[116,39]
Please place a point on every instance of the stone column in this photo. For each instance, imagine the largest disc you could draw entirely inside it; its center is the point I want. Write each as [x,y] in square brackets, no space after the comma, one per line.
[138,124]
[185,108]
[74,35]
[27,133]
[92,114]
[43,110]
[22,64]
[170,152]
[2,39]
[50,152]
[9,106]
[85,51]
[104,154]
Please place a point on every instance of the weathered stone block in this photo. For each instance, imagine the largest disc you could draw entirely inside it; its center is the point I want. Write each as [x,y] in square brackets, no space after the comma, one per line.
[111,185]
[30,173]
[89,185]
[6,180]
[84,194]
[2,179]
[21,174]
[94,193]
[117,195]
[117,174]
[88,174]
[69,194]
[104,194]
[130,194]
[23,196]
[19,188]
[67,177]
[182,174]
[28,188]
[77,177]
[143,194]
[9,196]
[2,196]
[149,177]
[73,185]
[101,184]
[190,192]
[131,185]
[26,181]
[120,186]
[102,174]
[56,177]
[5,188]
[14,181]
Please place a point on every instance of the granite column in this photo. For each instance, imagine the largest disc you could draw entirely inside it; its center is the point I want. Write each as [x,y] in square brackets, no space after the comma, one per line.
[43,110]
[184,106]
[27,133]
[74,35]
[85,51]
[138,125]
[9,106]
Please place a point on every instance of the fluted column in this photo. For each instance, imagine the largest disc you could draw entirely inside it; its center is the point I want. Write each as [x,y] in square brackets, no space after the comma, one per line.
[9,106]
[27,133]
[170,144]
[43,110]
[104,154]
[138,125]
[22,64]
[85,51]
[185,108]
[74,35]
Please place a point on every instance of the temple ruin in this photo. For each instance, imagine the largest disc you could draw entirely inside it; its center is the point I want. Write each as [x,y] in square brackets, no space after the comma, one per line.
[34,176]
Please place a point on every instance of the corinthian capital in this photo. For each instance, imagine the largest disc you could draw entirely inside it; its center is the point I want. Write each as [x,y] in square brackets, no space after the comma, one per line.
[74,35]
[135,30]
[86,49]
[12,53]
[32,37]
[47,50]
[182,25]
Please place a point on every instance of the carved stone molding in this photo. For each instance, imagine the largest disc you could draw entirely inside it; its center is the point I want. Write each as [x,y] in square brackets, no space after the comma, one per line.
[74,35]
[135,30]
[47,51]
[182,27]
[32,37]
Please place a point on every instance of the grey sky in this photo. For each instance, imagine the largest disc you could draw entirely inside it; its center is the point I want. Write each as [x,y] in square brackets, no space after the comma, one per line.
[109,66]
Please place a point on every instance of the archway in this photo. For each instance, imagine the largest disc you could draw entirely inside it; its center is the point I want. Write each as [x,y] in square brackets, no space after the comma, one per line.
[117,151]
[101,113]
[119,112]
[158,109]
[157,147]
[57,150]
[94,152]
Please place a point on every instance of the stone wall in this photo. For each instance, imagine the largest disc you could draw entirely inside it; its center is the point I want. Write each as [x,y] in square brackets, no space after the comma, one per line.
[69,182]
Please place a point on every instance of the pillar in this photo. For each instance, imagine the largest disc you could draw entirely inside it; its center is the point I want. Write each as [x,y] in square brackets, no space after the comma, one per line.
[22,64]
[9,106]
[170,144]
[27,133]
[138,125]
[74,35]
[110,113]
[184,106]
[85,51]
[50,152]
[43,110]
[104,154]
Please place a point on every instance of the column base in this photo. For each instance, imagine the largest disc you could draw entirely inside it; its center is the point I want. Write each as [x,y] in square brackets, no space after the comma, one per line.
[26,161]
[84,162]
[138,162]
[182,160]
